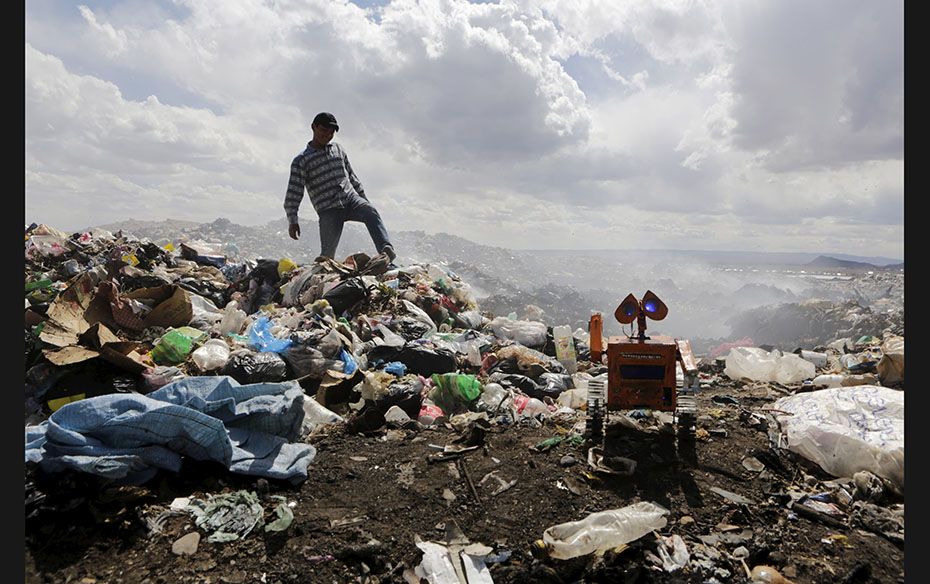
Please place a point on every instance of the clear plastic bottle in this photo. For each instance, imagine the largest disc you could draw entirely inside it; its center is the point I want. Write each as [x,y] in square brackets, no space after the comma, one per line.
[603,530]
[565,348]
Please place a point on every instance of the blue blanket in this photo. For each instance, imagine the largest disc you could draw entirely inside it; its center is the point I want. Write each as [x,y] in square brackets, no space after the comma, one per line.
[250,429]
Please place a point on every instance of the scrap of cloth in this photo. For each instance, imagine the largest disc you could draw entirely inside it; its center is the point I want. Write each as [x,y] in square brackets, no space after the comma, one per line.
[250,429]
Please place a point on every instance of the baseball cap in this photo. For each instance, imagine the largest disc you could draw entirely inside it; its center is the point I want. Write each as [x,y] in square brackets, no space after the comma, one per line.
[326,119]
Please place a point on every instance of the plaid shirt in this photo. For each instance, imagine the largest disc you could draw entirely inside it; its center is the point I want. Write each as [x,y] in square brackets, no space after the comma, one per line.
[328,178]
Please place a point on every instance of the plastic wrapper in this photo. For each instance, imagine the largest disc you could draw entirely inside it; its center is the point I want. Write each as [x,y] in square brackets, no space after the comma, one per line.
[176,345]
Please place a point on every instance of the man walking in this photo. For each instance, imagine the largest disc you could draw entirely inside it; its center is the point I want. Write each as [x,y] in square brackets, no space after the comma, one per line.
[335,192]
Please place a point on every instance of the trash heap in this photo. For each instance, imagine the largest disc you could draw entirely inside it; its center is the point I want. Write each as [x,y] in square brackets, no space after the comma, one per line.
[140,356]
[184,326]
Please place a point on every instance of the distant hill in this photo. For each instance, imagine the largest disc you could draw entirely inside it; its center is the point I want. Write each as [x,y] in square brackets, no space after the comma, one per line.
[753,258]
[828,263]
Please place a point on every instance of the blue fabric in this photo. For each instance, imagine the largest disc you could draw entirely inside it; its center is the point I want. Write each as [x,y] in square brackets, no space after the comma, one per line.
[128,437]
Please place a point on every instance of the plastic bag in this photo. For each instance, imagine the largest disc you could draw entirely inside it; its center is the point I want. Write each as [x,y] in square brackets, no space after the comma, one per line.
[760,365]
[261,338]
[315,415]
[346,294]
[160,376]
[454,390]
[249,367]
[211,355]
[176,345]
[307,361]
[205,313]
[847,429]
[525,332]
[420,315]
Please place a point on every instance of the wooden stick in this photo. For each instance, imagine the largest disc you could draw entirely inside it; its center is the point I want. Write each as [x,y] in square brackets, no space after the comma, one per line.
[461,463]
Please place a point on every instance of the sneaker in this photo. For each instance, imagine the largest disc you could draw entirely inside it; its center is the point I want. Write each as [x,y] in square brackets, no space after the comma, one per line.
[388,250]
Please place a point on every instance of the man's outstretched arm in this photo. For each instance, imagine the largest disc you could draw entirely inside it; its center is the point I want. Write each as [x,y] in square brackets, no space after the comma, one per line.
[295,194]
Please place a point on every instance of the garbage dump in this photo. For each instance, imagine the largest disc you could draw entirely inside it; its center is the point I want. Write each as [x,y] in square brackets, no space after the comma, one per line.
[273,419]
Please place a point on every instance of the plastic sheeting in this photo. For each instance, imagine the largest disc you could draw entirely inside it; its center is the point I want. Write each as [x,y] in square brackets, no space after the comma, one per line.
[847,429]
[760,365]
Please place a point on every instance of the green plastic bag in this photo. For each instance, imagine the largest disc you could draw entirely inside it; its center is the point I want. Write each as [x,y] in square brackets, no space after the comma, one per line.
[175,345]
[454,390]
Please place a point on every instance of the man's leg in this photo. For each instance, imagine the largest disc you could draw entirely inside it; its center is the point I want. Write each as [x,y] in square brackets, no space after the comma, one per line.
[331,223]
[366,213]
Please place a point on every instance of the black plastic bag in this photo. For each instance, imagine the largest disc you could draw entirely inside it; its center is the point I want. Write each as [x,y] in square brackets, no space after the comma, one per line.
[251,367]
[419,359]
[346,294]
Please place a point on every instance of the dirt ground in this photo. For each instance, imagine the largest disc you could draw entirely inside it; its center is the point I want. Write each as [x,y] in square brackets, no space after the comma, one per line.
[369,496]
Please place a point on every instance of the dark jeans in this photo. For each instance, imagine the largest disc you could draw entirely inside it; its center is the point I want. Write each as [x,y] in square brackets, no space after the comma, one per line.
[332,221]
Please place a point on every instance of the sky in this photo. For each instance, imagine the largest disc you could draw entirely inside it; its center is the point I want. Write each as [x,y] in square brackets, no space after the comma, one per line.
[767,125]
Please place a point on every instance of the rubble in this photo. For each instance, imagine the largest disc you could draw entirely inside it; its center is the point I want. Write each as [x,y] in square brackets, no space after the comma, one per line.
[410,402]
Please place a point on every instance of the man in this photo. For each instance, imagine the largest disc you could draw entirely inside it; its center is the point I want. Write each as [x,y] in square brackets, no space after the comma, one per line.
[335,192]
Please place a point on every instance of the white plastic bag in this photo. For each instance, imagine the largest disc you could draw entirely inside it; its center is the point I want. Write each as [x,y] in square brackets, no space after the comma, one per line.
[205,313]
[525,332]
[760,365]
[847,429]
[315,415]
[211,355]
[604,530]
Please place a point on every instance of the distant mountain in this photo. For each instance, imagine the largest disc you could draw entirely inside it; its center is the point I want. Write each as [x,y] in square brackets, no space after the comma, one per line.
[830,263]
[754,258]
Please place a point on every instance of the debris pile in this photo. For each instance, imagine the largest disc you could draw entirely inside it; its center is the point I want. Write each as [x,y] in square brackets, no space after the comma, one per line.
[166,359]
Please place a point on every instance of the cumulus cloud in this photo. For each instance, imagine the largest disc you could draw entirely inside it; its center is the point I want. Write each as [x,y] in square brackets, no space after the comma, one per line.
[668,124]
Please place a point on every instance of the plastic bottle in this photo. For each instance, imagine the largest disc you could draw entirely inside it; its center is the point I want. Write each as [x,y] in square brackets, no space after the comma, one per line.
[603,530]
[234,319]
[830,380]
[565,348]
[818,359]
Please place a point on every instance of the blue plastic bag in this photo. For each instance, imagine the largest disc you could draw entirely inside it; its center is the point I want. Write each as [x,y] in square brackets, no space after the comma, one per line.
[396,368]
[261,338]
[350,364]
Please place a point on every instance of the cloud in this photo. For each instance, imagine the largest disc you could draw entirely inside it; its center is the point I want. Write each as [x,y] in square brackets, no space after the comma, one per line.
[818,84]
[599,124]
